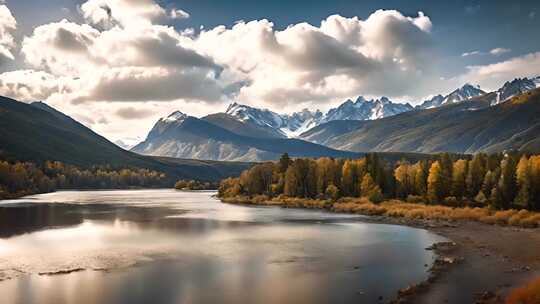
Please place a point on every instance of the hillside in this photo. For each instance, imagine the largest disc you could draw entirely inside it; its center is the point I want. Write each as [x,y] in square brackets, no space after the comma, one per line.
[466,127]
[37,133]
[245,128]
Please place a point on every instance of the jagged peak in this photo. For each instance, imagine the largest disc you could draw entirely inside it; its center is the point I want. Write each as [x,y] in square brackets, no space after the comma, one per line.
[175,116]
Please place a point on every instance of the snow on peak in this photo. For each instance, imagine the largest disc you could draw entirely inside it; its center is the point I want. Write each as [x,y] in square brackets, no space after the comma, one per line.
[364,109]
[467,91]
[176,116]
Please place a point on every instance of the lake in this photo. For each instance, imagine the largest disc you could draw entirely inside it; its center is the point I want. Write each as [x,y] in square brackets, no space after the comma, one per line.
[167,246]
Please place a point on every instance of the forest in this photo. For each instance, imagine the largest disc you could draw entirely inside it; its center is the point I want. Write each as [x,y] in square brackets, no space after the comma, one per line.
[499,181]
[24,178]
[185,184]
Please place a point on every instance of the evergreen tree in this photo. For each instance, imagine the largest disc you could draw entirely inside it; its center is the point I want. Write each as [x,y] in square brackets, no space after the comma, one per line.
[475,175]
[420,181]
[284,162]
[507,181]
[349,178]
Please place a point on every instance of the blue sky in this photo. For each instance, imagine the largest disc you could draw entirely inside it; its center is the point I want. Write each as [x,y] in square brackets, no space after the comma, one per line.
[118,65]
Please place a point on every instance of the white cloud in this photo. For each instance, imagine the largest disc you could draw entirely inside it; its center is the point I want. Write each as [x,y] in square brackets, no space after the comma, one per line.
[472,53]
[8,24]
[32,85]
[495,52]
[108,13]
[499,51]
[492,76]
[179,14]
[342,57]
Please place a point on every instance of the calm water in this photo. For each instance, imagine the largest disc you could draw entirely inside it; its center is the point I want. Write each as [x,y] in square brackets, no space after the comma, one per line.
[164,246]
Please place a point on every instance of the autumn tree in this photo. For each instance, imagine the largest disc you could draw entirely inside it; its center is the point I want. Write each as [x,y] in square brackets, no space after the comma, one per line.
[369,189]
[459,176]
[523,180]
[435,183]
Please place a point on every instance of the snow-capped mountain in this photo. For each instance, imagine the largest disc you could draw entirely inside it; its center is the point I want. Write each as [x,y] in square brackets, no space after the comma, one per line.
[261,117]
[286,125]
[292,125]
[516,87]
[174,119]
[363,109]
[465,92]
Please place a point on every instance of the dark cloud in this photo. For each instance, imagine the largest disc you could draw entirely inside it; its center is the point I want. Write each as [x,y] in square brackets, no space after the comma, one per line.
[165,50]
[69,41]
[140,85]
[133,113]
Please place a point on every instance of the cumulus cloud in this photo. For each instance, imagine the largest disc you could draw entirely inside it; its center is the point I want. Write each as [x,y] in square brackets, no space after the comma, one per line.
[7,25]
[152,84]
[342,57]
[492,76]
[117,59]
[499,51]
[32,85]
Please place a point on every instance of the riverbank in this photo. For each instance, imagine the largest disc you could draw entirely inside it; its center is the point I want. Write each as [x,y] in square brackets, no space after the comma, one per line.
[490,253]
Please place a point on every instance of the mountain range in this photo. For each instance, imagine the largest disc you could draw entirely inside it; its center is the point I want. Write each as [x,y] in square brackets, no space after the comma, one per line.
[475,125]
[244,133]
[189,147]
[182,136]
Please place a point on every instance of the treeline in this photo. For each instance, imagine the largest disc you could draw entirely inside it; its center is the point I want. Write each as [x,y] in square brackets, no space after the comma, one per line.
[23,178]
[184,184]
[501,181]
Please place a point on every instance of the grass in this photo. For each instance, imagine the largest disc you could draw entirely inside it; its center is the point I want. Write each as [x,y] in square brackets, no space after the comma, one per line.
[528,294]
[401,209]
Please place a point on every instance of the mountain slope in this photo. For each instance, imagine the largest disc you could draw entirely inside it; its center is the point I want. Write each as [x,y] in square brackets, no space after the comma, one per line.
[190,137]
[323,133]
[245,128]
[38,132]
[465,127]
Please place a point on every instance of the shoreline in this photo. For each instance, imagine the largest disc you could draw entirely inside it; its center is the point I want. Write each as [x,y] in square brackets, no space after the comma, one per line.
[480,264]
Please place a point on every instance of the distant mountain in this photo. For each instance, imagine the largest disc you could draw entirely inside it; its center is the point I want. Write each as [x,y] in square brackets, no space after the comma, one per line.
[280,125]
[363,109]
[466,127]
[465,92]
[38,132]
[182,136]
[292,125]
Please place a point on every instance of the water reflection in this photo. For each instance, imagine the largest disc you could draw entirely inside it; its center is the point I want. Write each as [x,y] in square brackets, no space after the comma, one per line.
[189,248]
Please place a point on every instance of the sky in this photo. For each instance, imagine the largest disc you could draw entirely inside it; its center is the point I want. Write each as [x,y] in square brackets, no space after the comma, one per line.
[119,65]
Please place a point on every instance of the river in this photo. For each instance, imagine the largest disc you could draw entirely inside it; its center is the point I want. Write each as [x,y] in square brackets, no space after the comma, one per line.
[167,246]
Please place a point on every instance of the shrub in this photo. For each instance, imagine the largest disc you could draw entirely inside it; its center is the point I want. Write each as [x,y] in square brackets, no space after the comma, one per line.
[416,199]
[528,294]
